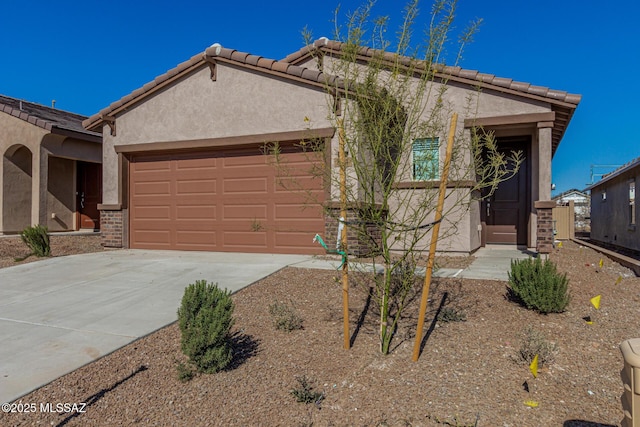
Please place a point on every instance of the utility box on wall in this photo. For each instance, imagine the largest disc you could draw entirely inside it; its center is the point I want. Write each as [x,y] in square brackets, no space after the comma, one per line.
[631,381]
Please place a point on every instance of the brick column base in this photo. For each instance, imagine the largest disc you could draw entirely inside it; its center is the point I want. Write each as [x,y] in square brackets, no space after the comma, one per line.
[363,239]
[544,209]
[111,229]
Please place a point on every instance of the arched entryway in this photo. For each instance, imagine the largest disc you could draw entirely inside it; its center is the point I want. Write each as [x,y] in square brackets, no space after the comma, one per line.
[17,175]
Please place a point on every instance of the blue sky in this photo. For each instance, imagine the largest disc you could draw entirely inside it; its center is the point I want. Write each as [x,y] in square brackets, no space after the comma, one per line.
[87,54]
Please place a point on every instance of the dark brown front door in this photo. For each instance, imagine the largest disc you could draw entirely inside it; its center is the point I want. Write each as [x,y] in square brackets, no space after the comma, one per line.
[88,194]
[505,212]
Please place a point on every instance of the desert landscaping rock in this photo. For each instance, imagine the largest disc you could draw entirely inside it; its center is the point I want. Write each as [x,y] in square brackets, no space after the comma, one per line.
[468,372]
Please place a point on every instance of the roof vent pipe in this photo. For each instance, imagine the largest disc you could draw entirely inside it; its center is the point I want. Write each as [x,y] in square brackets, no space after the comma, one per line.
[20,105]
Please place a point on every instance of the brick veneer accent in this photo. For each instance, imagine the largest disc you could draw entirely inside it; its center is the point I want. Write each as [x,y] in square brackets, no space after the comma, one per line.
[544,244]
[111,228]
[363,239]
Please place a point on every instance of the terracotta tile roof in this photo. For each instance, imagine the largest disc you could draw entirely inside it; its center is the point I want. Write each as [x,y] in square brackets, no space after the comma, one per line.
[326,46]
[562,103]
[47,118]
[216,53]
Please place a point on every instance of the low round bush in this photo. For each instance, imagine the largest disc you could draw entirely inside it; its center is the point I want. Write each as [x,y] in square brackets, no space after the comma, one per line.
[538,286]
[205,318]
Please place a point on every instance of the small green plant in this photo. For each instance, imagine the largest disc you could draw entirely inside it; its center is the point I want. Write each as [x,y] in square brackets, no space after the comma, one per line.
[538,286]
[185,372]
[285,317]
[205,318]
[451,314]
[533,342]
[37,239]
[304,393]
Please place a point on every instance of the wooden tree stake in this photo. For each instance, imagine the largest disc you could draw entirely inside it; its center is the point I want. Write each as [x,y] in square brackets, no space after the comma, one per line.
[343,238]
[434,238]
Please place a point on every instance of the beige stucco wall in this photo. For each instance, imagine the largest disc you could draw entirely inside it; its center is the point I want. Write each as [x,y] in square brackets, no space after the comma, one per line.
[61,200]
[21,138]
[16,178]
[239,102]
[37,175]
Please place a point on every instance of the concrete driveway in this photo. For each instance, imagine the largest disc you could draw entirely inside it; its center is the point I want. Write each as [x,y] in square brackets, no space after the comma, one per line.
[62,313]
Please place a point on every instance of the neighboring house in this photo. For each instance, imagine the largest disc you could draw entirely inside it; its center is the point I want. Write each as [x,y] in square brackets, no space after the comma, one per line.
[614,217]
[184,168]
[581,208]
[50,173]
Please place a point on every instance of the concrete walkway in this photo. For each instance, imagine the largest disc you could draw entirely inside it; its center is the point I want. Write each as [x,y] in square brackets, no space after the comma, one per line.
[494,262]
[491,263]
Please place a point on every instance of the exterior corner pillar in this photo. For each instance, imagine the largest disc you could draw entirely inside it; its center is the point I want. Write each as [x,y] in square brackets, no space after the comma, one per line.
[39,186]
[544,229]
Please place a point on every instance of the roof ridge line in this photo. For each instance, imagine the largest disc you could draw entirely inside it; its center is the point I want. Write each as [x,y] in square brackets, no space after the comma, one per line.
[447,70]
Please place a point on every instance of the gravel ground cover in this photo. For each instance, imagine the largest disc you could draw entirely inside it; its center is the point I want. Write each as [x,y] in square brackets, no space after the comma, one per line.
[469,372]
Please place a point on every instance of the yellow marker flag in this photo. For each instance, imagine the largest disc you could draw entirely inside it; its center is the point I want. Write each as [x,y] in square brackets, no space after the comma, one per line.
[533,367]
[601,263]
[560,245]
[596,301]
[618,280]
[531,403]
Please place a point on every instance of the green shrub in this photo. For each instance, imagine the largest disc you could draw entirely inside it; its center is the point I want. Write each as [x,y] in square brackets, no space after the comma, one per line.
[185,372]
[205,318]
[37,239]
[285,317]
[305,393]
[538,285]
[451,314]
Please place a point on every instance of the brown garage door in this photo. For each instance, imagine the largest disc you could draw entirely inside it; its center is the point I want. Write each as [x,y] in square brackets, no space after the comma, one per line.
[232,202]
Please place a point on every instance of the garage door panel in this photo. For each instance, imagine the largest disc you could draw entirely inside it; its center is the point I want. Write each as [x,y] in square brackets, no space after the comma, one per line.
[292,240]
[197,164]
[295,212]
[244,185]
[151,212]
[199,187]
[153,166]
[240,239]
[223,202]
[193,212]
[152,188]
[249,159]
[153,237]
[196,238]
[298,185]
[242,211]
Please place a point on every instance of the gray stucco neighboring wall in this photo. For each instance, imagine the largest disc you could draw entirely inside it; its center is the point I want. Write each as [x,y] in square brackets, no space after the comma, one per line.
[610,217]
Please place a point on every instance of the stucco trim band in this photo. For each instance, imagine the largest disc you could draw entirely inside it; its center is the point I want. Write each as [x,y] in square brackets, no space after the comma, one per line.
[416,185]
[516,119]
[229,141]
